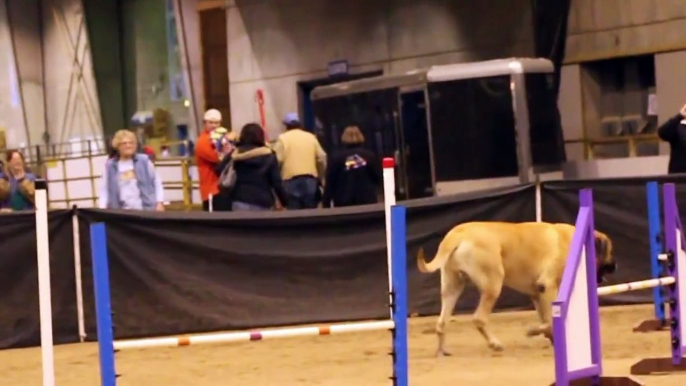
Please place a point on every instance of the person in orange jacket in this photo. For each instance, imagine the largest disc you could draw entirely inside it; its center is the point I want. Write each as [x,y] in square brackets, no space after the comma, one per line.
[207,157]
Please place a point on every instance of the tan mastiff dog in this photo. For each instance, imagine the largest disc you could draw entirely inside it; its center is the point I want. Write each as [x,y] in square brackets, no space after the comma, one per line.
[527,257]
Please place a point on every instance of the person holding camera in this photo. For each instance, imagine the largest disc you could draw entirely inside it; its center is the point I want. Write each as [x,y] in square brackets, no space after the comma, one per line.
[17,184]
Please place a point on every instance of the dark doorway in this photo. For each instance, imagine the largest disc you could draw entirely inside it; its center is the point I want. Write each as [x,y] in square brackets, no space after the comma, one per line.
[415,152]
[305,89]
[394,123]
[215,62]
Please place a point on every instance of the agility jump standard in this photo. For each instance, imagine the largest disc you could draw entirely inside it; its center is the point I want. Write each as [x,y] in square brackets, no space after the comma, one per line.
[657,257]
[575,311]
[398,305]
[656,238]
[44,287]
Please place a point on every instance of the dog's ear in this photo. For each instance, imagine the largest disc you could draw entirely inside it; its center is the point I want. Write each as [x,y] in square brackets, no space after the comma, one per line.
[600,245]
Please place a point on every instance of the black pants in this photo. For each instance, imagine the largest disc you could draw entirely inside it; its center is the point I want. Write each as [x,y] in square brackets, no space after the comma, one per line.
[220,203]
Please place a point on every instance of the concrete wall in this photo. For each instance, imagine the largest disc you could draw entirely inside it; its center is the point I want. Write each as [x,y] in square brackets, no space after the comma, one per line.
[670,79]
[670,71]
[397,36]
[570,103]
[616,168]
[603,29]
[272,45]
[578,103]
[600,29]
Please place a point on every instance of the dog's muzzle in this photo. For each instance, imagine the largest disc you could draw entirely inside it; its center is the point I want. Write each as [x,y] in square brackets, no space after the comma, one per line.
[606,269]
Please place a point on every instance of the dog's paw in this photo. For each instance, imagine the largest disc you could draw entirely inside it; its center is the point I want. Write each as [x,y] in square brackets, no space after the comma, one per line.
[533,331]
[442,353]
[496,346]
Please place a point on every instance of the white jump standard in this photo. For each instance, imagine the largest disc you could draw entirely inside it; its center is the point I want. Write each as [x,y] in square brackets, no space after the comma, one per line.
[576,324]
[44,287]
[397,244]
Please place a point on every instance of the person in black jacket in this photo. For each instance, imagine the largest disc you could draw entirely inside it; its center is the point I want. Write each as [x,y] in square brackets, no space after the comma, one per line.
[257,172]
[353,174]
[674,132]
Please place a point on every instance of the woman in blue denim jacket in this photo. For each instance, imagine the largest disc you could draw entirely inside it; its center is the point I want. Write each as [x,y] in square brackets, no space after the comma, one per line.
[21,183]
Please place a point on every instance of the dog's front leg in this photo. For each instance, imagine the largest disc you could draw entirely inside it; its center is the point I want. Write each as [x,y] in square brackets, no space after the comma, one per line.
[543,302]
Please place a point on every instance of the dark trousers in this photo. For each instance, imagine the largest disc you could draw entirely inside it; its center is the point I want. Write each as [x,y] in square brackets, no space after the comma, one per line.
[303,192]
[220,203]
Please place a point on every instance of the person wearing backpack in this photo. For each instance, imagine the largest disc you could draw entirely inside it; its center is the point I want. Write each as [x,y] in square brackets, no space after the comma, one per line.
[254,177]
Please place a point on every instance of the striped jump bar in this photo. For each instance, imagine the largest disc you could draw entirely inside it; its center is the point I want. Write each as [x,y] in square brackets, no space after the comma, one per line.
[246,336]
[636,285]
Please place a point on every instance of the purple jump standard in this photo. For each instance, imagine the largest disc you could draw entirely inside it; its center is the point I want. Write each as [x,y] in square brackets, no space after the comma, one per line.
[576,324]
[676,292]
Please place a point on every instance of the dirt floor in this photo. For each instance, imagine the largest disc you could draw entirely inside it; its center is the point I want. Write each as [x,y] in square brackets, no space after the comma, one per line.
[353,360]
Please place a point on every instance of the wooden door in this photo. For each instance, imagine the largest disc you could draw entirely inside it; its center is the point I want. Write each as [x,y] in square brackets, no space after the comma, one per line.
[215,62]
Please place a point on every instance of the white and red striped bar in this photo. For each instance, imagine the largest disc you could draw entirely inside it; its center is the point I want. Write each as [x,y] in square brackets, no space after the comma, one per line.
[636,285]
[246,336]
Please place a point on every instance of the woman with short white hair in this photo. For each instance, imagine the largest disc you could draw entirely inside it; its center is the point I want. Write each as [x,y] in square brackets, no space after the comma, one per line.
[130,180]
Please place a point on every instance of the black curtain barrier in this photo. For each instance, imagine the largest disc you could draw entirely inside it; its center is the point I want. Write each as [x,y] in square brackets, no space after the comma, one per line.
[199,272]
[620,211]
[550,37]
[550,32]
[174,273]
[19,309]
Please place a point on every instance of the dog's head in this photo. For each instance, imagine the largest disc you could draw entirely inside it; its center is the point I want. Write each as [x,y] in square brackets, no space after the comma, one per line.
[605,259]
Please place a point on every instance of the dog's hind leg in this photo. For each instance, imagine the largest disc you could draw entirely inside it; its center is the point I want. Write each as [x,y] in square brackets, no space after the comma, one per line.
[535,299]
[489,286]
[452,286]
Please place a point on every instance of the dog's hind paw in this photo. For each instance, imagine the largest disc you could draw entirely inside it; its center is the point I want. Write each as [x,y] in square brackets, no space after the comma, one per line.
[442,353]
[496,346]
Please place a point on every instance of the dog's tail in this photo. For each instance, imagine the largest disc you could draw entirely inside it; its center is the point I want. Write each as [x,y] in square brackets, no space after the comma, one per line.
[442,256]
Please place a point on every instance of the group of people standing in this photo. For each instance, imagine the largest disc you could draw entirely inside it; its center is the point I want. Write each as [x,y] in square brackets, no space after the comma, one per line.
[293,173]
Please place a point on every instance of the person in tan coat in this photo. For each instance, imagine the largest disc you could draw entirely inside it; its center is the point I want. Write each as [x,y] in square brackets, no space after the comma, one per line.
[303,163]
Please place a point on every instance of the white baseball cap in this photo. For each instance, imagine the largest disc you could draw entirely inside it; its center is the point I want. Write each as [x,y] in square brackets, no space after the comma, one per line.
[213,115]
[291,118]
